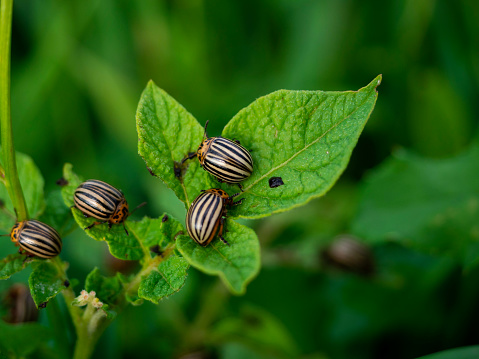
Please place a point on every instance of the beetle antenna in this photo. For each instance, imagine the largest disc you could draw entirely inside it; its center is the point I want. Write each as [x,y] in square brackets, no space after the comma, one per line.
[137,207]
[4,235]
[126,231]
[206,133]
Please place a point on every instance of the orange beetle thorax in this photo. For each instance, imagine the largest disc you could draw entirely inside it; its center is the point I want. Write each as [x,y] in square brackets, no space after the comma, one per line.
[121,213]
[15,233]
[218,192]
[203,149]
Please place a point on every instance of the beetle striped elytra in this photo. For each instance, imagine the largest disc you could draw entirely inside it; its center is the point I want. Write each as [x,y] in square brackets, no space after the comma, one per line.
[102,201]
[36,239]
[225,159]
[206,215]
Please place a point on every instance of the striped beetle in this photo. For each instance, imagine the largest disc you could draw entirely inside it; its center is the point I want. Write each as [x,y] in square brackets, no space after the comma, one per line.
[102,201]
[36,239]
[225,159]
[206,215]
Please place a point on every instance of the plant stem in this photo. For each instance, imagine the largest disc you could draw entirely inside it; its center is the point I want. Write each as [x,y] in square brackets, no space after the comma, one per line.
[11,175]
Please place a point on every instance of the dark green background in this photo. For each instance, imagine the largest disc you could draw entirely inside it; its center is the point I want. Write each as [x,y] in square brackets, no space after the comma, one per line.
[79,67]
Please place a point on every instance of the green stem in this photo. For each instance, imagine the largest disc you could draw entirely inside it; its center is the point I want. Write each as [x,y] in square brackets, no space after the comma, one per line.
[11,175]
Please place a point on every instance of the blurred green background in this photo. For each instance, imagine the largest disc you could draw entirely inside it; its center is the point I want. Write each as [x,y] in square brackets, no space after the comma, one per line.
[78,70]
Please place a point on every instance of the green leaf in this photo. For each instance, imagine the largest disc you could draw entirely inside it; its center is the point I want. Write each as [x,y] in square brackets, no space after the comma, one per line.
[23,339]
[72,182]
[236,264]
[165,280]
[304,137]
[106,288]
[428,204]
[46,281]
[12,264]
[32,183]
[166,133]
[471,352]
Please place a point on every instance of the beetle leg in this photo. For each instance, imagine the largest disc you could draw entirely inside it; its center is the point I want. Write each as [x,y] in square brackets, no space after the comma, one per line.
[237,202]
[219,180]
[206,133]
[93,224]
[125,229]
[189,156]
[220,234]
[240,187]
[237,141]
[86,215]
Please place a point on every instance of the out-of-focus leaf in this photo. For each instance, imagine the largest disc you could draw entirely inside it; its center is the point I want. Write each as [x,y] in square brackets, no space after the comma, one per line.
[458,353]
[259,329]
[57,214]
[236,264]
[164,280]
[22,339]
[32,184]
[431,205]
[46,281]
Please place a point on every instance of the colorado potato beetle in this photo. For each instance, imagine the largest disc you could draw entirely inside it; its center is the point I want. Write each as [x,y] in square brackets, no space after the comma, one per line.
[225,159]
[206,215]
[36,239]
[102,201]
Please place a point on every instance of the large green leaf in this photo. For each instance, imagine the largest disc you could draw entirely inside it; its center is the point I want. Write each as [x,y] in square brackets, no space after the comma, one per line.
[46,280]
[428,204]
[164,280]
[458,353]
[166,133]
[237,264]
[32,183]
[304,137]
[12,264]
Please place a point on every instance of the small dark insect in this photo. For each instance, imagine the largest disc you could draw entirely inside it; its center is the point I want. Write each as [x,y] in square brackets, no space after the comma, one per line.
[349,254]
[62,182]
[43,305]
[206,216]
[66,283]
[36,239]
[275,182]
[165,218]
[225,159]
[177,169]
[102,201]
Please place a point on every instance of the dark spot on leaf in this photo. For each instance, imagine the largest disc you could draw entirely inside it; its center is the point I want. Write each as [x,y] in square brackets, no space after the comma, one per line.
[156,249]
[165,218]
[62,182]
[42,305]
[177,169]
[66,283]
[252,320]
[2,204]
[151,171]
[275,182]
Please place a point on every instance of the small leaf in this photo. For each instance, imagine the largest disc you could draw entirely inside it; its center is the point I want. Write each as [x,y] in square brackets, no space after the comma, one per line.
[166,133]
[46,281]
[106,288]
[73,181]
[236,264]
[471,352]
[32,183]
[23,339]
[12,264]
[165,280]
[304,137]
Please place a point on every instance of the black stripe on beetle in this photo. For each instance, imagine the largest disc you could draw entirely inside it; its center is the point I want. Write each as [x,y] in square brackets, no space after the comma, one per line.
[206,215]
[36,239]
[225,159]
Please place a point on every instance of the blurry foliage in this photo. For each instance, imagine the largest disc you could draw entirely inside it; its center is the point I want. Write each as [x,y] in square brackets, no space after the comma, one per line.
[78,70]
